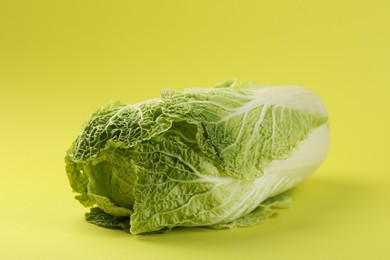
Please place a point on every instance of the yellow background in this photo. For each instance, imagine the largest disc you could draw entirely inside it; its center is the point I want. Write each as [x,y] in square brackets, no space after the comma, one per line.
[61,60]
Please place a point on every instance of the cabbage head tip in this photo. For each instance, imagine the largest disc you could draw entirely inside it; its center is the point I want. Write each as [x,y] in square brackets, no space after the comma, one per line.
[219,157]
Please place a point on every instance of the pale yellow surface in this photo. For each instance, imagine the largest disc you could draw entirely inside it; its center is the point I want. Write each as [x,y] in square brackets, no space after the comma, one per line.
[61,60]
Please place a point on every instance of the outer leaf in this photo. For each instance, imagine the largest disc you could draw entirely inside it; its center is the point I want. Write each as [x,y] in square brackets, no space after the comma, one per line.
[265,210]
[247,128]
[100,180]
[98,217]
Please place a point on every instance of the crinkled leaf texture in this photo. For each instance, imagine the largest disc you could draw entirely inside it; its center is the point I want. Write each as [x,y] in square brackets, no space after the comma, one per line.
[219,157]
